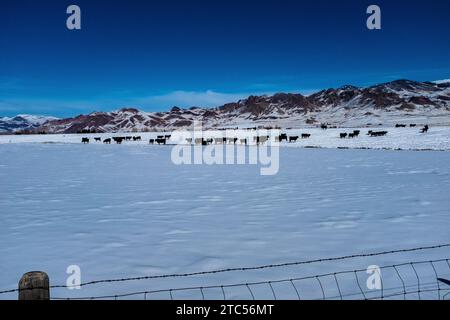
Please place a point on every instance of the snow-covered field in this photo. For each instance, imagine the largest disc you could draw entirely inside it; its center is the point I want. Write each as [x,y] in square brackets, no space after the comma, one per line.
[121,211]
[438,138]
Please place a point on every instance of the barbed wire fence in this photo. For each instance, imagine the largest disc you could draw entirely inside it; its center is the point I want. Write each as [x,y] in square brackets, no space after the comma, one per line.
[418,280]
[422,286]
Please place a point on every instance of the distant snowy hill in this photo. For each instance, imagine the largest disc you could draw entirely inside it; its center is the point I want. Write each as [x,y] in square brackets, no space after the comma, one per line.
[22,122]
[442,81]
[397,101]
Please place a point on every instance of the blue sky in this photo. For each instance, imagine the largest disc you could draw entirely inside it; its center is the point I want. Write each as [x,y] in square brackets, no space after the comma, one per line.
[156,55]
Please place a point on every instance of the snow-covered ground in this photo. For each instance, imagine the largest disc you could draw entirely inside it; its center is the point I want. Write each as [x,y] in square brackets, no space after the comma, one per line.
[121,211]
[438,138]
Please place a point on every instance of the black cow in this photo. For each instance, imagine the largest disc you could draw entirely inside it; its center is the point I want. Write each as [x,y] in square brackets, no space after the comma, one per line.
[85,140]
[378,134]
[282,137]
[118,140]
[293,139]
[203,141]
[324,126]
[138,138]
[160,141]
[98,139]
[343,135]
[356,133]
[107,141]
[128,138]
[400,125]
[306,136]
[425,129]
[151,141]
[413,125]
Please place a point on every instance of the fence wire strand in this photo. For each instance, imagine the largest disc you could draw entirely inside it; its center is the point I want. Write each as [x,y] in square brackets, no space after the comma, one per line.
[402,281]
[337,284]
[295,288]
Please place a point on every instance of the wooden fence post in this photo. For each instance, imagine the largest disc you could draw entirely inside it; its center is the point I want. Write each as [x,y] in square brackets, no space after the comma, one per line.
[34,285]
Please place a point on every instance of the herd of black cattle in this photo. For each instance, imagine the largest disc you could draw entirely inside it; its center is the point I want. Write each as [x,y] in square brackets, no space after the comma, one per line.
[162,139]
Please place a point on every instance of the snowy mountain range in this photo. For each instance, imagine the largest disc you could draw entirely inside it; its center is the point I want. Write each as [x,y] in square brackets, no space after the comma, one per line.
[397,101]
[23,122]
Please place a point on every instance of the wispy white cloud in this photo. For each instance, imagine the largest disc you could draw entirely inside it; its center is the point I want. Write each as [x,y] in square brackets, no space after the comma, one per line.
[186,99]
[183,99]
[206,99]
